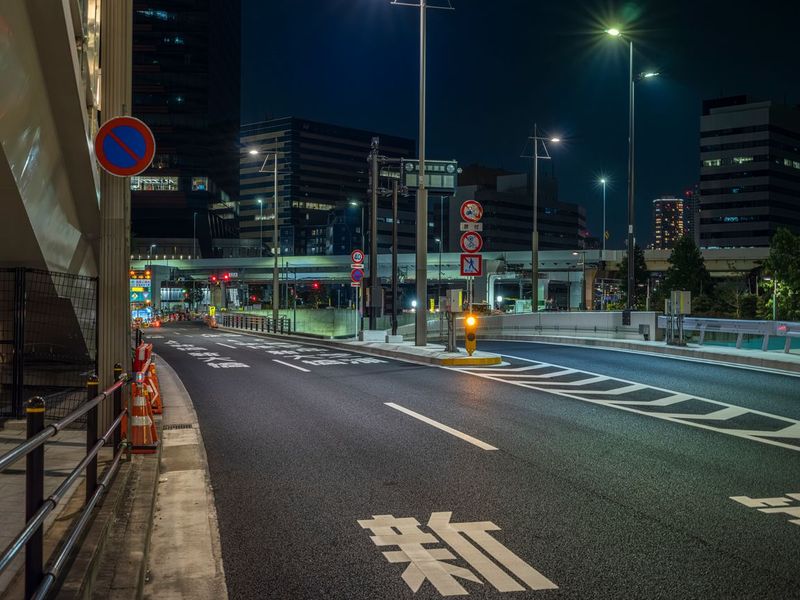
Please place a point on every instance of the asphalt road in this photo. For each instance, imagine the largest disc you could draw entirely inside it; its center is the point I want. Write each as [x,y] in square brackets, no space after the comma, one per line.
[607,480]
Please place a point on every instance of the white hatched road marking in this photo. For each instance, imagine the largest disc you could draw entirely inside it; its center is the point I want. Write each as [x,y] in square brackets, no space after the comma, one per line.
[569,390]
[291,365]
[226,345]
[450,430]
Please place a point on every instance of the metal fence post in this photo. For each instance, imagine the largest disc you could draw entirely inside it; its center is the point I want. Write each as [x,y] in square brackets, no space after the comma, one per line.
[91,437]
[34,495]
[117,439]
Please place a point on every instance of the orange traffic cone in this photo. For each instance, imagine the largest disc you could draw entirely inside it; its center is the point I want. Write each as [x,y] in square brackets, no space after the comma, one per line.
[143,428]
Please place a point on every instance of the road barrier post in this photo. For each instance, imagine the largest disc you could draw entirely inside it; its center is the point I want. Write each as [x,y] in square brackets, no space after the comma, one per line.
[91,437]
[34,495]
[117,437]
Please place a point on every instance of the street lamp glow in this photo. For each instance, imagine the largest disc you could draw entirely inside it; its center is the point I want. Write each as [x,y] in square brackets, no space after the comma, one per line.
[259,201]
[253,152]
[613,32]
[413,304]
[650,74]
[603,180]
[499,299]
[555,140]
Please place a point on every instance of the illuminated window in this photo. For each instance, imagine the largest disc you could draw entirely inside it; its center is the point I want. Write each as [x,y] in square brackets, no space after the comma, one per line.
[712,162]
[199,184]
[147,183]
[740,160]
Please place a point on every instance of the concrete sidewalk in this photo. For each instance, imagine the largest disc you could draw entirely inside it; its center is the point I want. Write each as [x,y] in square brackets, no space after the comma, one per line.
[185,557]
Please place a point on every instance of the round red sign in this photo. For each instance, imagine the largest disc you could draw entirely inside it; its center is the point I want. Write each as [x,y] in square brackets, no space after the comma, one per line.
[472,211]
[471,242]
[124,146]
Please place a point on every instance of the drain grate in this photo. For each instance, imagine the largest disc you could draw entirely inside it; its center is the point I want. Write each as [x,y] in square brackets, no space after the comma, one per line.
[178,426]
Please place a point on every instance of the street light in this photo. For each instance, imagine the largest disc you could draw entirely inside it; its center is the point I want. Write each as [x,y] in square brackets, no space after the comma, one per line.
[276,298]
[260,227]
[535,234]
[617,33]
[603,182]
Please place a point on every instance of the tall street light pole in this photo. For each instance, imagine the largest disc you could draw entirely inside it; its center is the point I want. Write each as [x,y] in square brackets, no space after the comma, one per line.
[603,182]
[421,322]
[536,138]
[260,227]
[631,286]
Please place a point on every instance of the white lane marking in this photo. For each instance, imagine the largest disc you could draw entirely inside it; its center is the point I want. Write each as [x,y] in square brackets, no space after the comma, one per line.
[570,384]
[450,430]
[666,401]
[716,363]
[792,429]
[291,365]
[226,345]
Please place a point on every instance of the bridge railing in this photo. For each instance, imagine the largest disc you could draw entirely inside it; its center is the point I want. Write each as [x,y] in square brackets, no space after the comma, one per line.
[245,322]
[38,582]
[768,335]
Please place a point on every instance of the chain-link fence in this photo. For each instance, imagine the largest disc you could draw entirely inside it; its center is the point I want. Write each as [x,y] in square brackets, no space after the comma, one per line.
[48,338]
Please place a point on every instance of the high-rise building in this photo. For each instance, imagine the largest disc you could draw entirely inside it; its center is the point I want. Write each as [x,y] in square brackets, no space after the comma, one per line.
[750,171]
[668,222]
[323,180]
[508,212]
[186,87]
[691,213]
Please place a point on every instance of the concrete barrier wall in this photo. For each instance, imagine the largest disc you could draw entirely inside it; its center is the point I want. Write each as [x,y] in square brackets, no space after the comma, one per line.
[576,324]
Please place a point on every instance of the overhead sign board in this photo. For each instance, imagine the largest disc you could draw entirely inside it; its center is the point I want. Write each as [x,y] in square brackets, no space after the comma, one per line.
[471,265]
[471,242]
[440,175]
[471,211]
[124,146]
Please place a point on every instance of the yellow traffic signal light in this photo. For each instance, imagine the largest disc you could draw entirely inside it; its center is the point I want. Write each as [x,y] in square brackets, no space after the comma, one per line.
[470,333]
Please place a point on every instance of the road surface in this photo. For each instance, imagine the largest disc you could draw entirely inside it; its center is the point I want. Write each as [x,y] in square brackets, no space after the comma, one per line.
[564,473]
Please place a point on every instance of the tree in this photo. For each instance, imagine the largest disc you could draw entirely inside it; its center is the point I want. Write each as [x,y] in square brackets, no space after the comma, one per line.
[783,266]
[640,278]
[687,270]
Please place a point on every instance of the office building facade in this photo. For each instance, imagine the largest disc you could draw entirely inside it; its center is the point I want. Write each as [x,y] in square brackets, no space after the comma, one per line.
[186,87]
[750,171]
[668,222]
[508,213]
[322,192]
[691,213]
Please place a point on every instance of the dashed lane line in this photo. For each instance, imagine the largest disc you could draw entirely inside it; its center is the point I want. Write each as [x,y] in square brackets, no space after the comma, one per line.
[720,412]
[442,426]
[291,365]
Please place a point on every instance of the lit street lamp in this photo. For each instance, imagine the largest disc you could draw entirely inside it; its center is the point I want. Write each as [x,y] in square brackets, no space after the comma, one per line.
[617,33]
[260,228]
[603,182]
[535,234]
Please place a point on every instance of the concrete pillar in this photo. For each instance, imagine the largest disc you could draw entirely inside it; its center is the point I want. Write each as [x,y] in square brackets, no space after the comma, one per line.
[115,198]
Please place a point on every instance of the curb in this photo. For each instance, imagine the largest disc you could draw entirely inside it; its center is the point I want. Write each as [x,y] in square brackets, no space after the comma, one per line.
[384,352]
[696,353]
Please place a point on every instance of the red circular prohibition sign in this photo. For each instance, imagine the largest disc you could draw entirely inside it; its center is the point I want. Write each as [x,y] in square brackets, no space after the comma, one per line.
[118,149]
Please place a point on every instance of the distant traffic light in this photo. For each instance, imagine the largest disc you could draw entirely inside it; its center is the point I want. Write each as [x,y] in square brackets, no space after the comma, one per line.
[213,279]
[470,333]
[315,285]
[226,276]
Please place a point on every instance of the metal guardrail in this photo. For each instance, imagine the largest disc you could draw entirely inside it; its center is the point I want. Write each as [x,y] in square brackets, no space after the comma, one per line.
[246,322]
[38,582]
[763,329]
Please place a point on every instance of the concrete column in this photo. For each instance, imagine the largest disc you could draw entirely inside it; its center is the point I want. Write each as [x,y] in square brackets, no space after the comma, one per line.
[115,199]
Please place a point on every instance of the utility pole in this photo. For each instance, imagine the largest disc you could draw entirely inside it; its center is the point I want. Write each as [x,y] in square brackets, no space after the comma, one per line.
[276,295]
[374,283]
[631,219]
[421,317]
[535,237]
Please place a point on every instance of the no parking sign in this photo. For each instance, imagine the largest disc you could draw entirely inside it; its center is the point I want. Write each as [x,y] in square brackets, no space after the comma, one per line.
[124,146]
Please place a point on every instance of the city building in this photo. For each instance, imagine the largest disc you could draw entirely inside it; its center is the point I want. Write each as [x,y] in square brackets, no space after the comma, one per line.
[691,213]
[186,87]
[750,171]
[323,180]
[508,212]
[668,222]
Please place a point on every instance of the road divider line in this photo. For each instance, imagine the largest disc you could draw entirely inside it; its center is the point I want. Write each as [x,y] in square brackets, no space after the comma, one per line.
[443,427]
[291,365]
[226,345]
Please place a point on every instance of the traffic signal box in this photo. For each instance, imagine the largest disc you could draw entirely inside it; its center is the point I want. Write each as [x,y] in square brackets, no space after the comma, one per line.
[470,333]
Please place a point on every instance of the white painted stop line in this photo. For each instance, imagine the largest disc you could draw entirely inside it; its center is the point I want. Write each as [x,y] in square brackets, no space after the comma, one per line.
[450,430]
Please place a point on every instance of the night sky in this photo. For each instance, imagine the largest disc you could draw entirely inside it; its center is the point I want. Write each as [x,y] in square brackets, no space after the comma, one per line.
[496,66]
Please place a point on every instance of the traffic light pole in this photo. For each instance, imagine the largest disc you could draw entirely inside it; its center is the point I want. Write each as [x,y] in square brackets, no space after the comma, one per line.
[394,257]
[374,283]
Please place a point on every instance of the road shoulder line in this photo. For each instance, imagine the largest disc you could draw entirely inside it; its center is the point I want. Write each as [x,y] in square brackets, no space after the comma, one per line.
[441,426]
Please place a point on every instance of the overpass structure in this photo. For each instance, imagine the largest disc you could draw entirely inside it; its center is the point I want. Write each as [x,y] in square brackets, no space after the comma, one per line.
[559,269]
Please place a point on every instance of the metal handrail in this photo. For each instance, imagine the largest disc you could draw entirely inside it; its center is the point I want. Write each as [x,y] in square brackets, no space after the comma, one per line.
[37,582]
